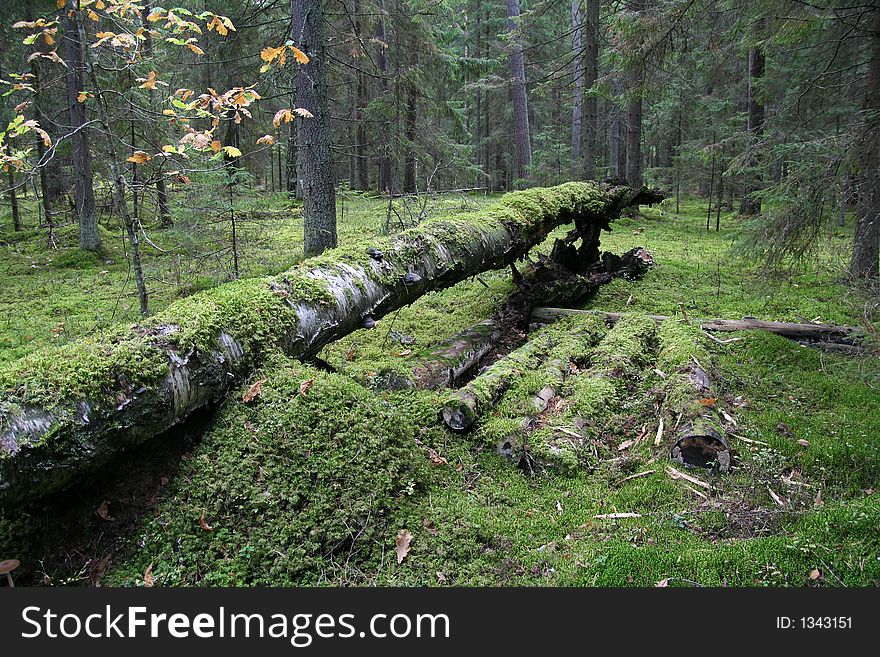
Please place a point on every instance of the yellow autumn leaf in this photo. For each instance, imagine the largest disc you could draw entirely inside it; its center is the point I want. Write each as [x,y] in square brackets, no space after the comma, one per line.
[168,148]
[299,55]
[92,15]
[150,82]
[169,112]
[215,146]
[81,97]
[100,4]
[231,151]
[48,39]
[268,140]
[269,54]
[139,157]
[284,115]
[217,24]
[60,4]
[155,16]
[304,113]
[195,49]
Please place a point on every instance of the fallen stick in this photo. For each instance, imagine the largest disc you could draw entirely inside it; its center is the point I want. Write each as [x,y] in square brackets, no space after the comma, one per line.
[830,333]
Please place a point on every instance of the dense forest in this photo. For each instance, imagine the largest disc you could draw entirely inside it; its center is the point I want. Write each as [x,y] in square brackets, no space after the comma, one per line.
[287,286]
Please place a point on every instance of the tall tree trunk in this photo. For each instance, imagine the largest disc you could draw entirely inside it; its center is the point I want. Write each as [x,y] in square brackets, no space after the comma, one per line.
[46,198]
[577,108]
[319,194]
[130,223]
[89,238]
[409,167]
[290,160]
[617,145]
[384,157]
[750,205]
[866,243]
[591,115]
[634,79]
[521,135]
[13,200]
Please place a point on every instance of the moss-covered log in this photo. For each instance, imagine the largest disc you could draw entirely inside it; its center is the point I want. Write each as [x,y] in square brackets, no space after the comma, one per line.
[618,365]
[64,411]
[823,333]
[697,435]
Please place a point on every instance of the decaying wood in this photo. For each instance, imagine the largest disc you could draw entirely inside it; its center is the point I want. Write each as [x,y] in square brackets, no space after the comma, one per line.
[466,405]
[817,332]
[66,411]
[541,281]
[698,434]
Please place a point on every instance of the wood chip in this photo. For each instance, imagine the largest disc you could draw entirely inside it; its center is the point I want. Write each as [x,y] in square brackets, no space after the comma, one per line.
[659,437]
[636,476]
[776,498]
[677,474]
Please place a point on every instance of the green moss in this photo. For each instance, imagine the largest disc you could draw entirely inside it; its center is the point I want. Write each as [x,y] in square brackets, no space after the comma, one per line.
[76,259]
[292,485]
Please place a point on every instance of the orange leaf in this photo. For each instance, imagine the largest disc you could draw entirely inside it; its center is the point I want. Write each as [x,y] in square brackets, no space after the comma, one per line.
[253,392]
[266,139]
[60,4]
[150,82]
[436,458]
[204,525]
[707,401]
[305,386]
[284,115]
[139,157]
[299,55]
[195,49]
[103,512]
[149,580]
[92,15]
[216,146]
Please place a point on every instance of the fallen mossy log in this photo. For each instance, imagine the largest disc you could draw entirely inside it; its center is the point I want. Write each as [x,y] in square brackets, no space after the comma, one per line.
[536,368]
[615,363]
[689,408]
[829,333]
[68,410]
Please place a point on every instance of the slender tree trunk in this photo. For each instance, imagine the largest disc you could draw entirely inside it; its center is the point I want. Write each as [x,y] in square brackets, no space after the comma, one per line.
[750,205]
[577,112]
[384,158]
[41,148]
[634,78]
[129,222]
[89,238]
[409,168]
[614,142]
[13,201]
[591,118]
[866,243]
[516,61]
[319,194]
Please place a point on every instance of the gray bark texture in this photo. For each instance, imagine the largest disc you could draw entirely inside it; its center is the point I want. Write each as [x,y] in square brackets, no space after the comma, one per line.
[319,192]
[866,244]
[521,134]
[84,194]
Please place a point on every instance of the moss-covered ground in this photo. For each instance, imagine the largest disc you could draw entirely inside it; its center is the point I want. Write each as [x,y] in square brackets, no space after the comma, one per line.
[311,480]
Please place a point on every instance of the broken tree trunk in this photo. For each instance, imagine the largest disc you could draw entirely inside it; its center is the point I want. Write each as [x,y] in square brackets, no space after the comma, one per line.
[689,408]
[67,410]
[616,364]
[545,280]
[817,332]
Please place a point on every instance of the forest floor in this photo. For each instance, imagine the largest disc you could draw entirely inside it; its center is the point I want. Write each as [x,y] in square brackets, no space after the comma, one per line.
[316,487]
